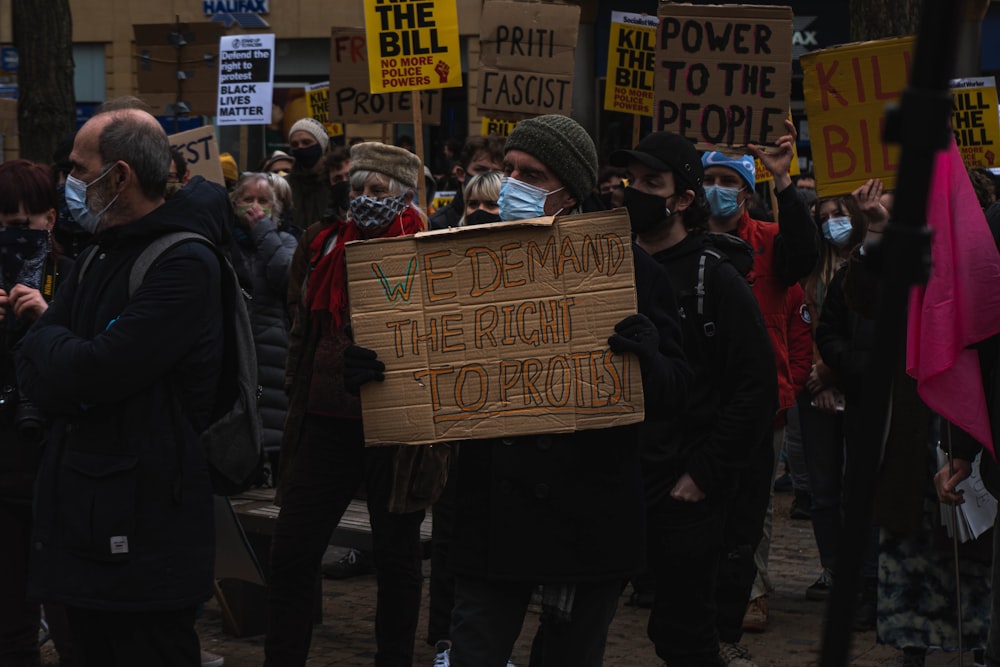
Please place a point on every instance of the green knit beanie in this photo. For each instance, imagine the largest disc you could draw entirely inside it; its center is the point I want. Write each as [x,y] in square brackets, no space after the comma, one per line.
[562,145]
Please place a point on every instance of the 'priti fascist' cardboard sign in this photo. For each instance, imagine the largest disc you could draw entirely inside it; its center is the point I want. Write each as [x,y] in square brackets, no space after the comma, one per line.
[527,52]
[351,99]
[846,91]
[631,64]
[497,330]
[412,45]
[723,73]
[975,121]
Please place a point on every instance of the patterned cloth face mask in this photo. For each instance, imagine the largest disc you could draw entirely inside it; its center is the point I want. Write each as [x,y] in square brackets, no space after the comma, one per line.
[373,213]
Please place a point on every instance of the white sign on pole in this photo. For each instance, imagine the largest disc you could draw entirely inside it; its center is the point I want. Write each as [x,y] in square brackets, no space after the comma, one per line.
[246,76]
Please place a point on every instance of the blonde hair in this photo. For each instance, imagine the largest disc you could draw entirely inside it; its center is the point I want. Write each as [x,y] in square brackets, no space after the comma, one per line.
[482,186]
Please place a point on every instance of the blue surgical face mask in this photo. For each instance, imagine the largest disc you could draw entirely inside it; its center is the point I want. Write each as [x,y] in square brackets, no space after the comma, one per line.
[521,201]
[837,230]
[76,202]
[722,200]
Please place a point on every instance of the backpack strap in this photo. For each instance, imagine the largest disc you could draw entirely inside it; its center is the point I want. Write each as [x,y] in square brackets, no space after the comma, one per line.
[152,252]
[708,325]
[84,260]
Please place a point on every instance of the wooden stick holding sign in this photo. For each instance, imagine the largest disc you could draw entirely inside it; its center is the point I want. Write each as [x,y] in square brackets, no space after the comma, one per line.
[418,147]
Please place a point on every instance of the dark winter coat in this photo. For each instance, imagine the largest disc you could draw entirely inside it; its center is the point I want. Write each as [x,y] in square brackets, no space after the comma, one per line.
[262,257]
[310,195]
[566,508]
[734,393]
[123,505]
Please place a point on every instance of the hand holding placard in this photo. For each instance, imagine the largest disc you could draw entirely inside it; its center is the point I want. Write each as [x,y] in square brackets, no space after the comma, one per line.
[779,160]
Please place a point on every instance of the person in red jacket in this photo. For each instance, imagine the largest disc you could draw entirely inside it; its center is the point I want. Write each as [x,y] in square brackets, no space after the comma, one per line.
[784,253]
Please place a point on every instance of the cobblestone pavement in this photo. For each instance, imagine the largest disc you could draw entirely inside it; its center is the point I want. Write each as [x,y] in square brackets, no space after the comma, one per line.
[346,636]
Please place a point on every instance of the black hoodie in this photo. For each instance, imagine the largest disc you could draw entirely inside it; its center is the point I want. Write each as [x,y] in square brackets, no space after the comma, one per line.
[123,504]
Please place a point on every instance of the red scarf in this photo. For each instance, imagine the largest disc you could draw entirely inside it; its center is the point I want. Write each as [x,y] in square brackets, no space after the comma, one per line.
[328,281]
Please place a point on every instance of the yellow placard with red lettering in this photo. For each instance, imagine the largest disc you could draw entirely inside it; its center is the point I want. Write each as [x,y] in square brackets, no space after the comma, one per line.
[412,45]
[846,91]
[631,64]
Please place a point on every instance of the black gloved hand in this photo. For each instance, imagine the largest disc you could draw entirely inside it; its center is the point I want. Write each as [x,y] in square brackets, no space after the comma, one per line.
[361,366]
[636,334]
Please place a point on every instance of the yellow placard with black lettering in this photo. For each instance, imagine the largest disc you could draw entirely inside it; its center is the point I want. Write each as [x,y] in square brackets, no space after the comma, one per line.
[318,103]
[975,120]
[631,63]
[412,45]
[497,126]
[497,330]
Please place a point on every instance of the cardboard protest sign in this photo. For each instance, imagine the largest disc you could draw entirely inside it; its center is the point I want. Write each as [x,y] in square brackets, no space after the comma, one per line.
[497,126]
[975,121]
[846,90]
[442,198]
[412,45]
[496,330]
[631,56]
[246,77]
[201,152]
[318,104]
[527,56]
[351,99]
[723,73]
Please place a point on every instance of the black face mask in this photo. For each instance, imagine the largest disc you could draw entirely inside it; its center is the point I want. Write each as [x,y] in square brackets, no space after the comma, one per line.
[340,195]
[645,211]
[309,156]
[481,217]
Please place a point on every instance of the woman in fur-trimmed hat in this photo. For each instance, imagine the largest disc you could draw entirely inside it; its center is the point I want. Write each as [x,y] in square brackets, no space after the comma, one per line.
[323,457]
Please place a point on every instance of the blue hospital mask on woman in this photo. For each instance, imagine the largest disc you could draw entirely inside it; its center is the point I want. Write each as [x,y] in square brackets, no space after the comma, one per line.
[837,230]
[522,201]
[722,200]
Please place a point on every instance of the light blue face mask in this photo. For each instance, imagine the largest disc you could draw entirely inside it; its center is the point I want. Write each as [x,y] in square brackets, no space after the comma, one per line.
[76,202]
[521,201]
[722,200]
[837,230]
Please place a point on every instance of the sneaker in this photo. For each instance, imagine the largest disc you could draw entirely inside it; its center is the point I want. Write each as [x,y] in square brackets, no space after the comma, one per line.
[442,653]
[734,655]
[821,589]
[209,659]
[755,619]
[354,563]
[801,506]
[911,657]
[783,484]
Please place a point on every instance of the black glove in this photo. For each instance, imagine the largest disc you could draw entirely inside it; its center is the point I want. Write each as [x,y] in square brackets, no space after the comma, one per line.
[636,334]
[361,366]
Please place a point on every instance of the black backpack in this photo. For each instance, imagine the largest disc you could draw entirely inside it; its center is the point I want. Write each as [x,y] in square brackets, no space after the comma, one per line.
[722,248]
[233,441]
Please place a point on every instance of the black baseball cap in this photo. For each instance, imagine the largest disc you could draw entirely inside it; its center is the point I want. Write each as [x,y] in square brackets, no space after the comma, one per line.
[666,151]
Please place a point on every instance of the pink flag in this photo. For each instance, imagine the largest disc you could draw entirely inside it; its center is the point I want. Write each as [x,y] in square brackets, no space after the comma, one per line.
[960,305]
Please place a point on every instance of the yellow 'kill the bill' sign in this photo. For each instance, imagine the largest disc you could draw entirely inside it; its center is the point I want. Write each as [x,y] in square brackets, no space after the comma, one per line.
[412,45]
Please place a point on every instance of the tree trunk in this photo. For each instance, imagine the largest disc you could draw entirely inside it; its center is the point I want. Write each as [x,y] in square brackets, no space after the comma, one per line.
[879,19]
[46,107]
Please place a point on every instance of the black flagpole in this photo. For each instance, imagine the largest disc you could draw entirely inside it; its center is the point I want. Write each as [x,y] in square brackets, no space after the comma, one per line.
[921,126]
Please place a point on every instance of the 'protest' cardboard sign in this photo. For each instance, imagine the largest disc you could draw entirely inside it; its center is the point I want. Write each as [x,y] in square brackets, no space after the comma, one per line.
[412,45]
[201,152]
[527,52]
[846,91]
[975,120]
[631,56]
[723,73]
[351,99]
[497,330]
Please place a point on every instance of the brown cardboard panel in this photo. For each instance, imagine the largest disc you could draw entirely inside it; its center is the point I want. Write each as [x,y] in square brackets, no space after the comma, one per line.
[723,73]
[351,99]
[200,151]
[157,68]
[201,103]
[497,330]
[526,58]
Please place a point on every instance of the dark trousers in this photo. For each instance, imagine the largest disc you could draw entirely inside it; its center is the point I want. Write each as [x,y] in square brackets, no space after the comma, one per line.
[488,616]
[442,583]
[119,638]
[332,462]
[685,544]
[823,442]
[745,511]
